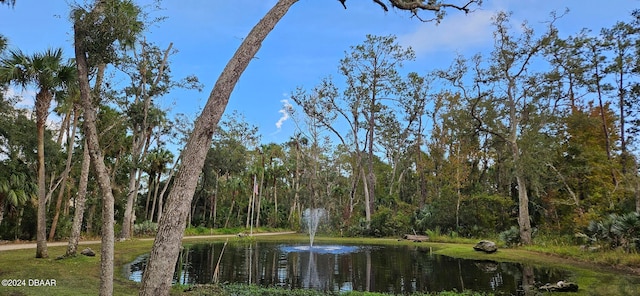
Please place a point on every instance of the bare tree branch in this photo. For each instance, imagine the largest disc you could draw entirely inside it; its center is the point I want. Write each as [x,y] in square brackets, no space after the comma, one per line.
[435,6]
[343,5]
[381,5]
[415,6]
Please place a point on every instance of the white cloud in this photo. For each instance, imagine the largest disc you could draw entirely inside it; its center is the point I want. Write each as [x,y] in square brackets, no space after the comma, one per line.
[285,111]
[25,97]
[26,101]
[456,32]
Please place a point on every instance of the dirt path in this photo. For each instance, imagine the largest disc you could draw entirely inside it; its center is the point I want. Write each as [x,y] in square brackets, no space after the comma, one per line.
[20,246]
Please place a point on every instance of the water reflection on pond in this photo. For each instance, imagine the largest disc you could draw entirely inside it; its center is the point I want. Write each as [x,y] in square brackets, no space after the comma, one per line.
[395,269]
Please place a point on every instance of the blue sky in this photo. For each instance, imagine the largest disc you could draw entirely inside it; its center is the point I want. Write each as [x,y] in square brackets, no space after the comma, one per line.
[305,46]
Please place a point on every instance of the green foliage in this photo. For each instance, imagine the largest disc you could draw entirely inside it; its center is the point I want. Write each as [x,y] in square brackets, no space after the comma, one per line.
[511,236]
[438,214]
[456,180]
[485,213]
[435,232]
[63,230]
[146,228]
[616,231]
[480,215]
[387,222]
[100,28]
[198,230]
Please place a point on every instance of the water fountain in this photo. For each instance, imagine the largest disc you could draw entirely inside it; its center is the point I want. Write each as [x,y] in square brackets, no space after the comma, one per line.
[312,217]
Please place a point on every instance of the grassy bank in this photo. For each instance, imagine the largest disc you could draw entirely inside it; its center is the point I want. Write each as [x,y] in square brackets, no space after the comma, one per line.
[81,275]
[73,276]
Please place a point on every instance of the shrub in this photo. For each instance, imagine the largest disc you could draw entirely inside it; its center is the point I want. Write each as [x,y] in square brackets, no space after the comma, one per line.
[616,231]
[436,232]
[145,228]
[386,222]
[510,236]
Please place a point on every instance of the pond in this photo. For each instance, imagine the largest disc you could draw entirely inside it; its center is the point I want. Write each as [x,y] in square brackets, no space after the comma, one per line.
[376,268]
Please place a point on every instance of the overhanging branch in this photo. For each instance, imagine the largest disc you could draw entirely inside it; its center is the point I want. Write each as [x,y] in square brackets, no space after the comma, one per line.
[416,6]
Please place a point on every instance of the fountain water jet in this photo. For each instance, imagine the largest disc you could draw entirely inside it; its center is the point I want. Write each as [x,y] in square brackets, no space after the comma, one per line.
[312,219]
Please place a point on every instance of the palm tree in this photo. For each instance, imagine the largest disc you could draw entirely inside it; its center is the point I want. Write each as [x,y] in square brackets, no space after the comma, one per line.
[15,191]
[48,73]
[3,43]
[158,160]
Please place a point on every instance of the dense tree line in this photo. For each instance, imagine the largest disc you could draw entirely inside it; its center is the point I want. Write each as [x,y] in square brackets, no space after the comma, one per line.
[530,135]
[538,136]
[418,158]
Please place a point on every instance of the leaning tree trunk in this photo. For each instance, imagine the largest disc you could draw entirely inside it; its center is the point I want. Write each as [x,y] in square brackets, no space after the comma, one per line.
[157,276]
[65,175]
[81,199]
[104,181]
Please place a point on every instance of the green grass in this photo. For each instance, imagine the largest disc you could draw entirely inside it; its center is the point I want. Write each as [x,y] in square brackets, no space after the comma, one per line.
[81,275]
[615,258]
[74,276]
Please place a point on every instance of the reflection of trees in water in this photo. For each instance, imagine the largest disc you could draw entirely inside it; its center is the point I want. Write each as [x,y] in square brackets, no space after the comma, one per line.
[528,280]
[391,269]
[182,267]
[311,279]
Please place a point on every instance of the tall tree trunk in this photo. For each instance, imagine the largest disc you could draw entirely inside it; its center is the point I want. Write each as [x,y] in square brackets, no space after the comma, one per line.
[275,202]
[140,146]
[603,117]
[160,198]
[352,192]
[371,176]
[259,206]
[64,126]
[65,175]
[214,202]
[125,233]
[153,207]
[164,253]
[233,203]
[149,192]
[523,211]
[250,209]
[422,186]
[104,181]
[81,199]
[19,223]
[43,101]
[295,185]
[636,186]
[90,217]
[524,220]
[2,206]
[367,198]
